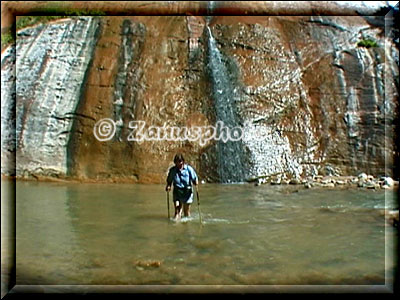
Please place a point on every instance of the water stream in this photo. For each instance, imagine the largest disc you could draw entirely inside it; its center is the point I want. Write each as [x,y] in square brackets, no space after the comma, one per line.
[232,162]
[268,235]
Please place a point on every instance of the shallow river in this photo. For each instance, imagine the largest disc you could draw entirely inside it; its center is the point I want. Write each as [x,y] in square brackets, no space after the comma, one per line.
[120,234]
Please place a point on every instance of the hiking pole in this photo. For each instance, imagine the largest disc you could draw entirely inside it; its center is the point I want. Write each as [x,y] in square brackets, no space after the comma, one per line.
[198,205]
[168,204]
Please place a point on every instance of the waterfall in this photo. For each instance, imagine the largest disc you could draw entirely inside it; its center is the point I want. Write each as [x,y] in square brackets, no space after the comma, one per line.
[210,7]
[231,158]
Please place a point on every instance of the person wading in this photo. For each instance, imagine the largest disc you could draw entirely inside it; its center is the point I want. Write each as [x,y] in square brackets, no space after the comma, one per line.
[182,176]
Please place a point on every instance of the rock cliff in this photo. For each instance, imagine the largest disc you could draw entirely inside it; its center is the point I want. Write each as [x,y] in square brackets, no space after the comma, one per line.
[310,96]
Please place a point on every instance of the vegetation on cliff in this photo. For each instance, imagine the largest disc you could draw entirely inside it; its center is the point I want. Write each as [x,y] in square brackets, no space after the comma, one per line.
[43,17]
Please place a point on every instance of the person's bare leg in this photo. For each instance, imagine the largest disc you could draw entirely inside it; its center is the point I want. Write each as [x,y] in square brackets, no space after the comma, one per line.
[178,210]
[186,209]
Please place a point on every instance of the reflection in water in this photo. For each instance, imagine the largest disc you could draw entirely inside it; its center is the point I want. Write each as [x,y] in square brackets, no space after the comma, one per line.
[120,234]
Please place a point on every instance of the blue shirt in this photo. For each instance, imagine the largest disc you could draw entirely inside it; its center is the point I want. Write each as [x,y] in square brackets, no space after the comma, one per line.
[181,178]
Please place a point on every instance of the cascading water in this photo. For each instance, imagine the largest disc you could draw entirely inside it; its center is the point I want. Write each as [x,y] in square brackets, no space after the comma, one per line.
[210,7]
[231,155]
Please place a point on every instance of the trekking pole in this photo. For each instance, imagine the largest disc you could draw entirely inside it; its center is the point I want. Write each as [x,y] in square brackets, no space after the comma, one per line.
[168,204]
[198,206]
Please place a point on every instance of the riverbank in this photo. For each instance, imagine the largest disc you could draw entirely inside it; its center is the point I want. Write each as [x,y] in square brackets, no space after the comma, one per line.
[40,178]
[361,181]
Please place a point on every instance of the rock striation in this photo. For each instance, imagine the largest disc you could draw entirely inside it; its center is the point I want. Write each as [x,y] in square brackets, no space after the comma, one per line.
[309,96]
[57,54]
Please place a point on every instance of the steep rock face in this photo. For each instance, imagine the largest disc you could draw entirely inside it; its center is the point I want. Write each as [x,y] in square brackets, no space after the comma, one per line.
[319,97]
[351,92]
[51,61]
[8,111]
[308,99]
[140,72]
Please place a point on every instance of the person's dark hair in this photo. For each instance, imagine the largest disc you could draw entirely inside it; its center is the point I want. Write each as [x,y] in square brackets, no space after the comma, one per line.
[179,157]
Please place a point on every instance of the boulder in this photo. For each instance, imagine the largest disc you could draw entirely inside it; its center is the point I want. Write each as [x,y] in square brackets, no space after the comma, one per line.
[388,181]
[362,176]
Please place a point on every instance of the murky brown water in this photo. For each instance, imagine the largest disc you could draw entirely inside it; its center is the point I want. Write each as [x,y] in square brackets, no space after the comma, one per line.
[269,235]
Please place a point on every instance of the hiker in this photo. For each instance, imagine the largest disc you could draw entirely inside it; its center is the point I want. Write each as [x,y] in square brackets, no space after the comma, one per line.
[182,176]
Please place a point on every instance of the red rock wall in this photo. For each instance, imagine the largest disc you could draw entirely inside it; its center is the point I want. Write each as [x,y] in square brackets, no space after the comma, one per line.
[324,97]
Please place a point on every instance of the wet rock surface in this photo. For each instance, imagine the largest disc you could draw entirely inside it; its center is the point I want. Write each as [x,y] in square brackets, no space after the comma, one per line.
[51,62]
[319,181]
[322,104]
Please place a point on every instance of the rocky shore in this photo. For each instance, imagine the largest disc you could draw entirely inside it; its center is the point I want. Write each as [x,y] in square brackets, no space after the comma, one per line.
[361,181]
